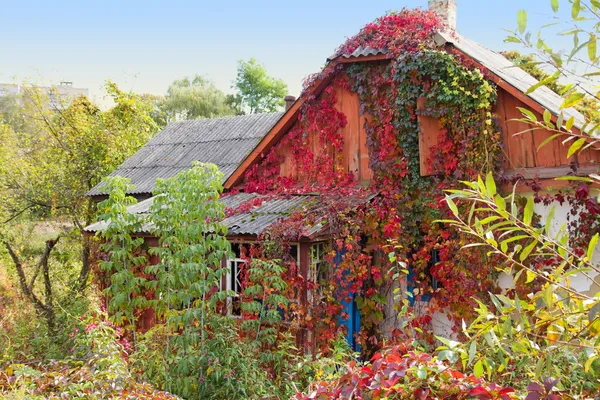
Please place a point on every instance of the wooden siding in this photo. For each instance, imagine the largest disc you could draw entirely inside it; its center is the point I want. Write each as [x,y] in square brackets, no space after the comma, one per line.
[429,133]
[355,155]
[521,150]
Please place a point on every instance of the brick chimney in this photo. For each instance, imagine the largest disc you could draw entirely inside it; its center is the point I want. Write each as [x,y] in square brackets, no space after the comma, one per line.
[289,100]
[446,9]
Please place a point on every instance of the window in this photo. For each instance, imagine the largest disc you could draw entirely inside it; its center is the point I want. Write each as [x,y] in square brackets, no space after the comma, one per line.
[317,270]
[433,282]
[234,283]
[235,268]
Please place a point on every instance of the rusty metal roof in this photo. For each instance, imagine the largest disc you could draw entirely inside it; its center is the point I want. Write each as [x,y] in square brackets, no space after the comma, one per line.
[222,141]
[252,222]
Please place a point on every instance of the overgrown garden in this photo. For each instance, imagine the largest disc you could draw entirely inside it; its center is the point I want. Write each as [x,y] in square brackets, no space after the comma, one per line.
[444,238]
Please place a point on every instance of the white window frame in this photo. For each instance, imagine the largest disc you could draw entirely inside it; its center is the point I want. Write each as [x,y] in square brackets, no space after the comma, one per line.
[315,258]
[230,283]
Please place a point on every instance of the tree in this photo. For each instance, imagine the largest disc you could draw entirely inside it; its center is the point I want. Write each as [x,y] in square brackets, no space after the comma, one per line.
[257,91]
[571,66]
[187,218]
[194,98]
[48,165]
[588,106]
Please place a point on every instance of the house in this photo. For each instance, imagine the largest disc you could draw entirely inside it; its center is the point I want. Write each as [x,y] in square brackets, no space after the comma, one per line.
[350,178]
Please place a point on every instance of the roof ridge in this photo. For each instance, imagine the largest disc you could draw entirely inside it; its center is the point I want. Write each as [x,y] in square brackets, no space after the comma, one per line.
[204,141]
[223,117]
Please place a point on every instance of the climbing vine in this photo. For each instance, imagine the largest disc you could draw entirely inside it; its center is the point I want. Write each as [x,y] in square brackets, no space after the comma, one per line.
[383,241]
[396,212]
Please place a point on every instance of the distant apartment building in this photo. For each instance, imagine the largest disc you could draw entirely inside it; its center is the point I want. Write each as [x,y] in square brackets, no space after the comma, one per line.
[59,96]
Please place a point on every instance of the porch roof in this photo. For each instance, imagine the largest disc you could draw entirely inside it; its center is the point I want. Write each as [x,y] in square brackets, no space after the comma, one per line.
[263,211]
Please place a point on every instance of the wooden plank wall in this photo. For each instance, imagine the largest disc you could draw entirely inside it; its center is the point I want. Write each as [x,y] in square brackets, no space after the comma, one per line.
[429,132]
[521,151]
[355,157]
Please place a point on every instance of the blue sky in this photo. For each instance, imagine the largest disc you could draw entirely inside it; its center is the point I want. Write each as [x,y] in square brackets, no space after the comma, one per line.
[145,45]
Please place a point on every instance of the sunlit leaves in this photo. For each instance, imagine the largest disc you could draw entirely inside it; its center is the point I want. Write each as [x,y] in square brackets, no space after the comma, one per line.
[522,21]
[549,79]
[592,246]
[592,47]
[549,316]
[576,9]
[572,100]
[575,146]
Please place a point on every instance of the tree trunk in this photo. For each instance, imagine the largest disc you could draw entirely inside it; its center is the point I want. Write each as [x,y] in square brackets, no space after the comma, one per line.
[44,309]
[85,266]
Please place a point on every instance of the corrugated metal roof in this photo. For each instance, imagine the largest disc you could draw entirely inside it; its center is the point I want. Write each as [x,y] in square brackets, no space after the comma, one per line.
[361,51]
[253,222]
[259,219]
[222,141]
[515,76]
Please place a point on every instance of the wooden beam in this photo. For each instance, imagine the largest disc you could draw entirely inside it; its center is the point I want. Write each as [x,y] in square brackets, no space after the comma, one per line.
[545,185]
[550,172]
[351,60]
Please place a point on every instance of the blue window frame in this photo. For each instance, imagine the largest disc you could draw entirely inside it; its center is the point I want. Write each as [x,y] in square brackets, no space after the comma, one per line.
[411,280]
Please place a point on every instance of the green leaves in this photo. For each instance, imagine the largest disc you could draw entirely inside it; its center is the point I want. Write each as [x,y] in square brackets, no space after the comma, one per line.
[544,82]
[478,369]
[592,246]
[592,47]
[554,4]
[123,266]
[452,205]
[522,21]
[258,92]
[576,9]
[572,100]
[186,216]
[575,147]
[490,185]
[528,212]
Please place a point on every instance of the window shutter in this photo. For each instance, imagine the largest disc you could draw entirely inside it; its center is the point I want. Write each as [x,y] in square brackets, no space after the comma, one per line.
[429,133]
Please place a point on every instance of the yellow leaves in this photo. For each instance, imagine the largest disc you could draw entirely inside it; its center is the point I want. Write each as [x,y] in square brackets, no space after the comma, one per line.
[552,335]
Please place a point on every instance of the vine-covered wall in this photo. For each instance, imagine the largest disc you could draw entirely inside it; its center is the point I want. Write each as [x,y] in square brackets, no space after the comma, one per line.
[359,143]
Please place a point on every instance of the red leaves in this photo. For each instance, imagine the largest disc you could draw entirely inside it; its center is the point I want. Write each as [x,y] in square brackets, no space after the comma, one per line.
[396,373]
[582,191]
[396,32]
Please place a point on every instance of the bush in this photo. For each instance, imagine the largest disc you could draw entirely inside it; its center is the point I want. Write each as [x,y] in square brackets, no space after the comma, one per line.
[97,369]
[233,366]
[403,373]
[24,335]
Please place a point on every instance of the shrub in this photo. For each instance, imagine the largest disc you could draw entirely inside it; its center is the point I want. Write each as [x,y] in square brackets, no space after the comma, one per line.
[97,369]
[403,373]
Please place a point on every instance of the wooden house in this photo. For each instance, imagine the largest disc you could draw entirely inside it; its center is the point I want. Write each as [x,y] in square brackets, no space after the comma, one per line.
[240,146]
